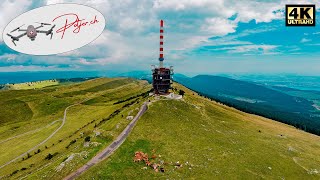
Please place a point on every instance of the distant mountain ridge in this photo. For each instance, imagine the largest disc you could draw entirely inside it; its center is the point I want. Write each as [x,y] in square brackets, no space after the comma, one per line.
[257,99]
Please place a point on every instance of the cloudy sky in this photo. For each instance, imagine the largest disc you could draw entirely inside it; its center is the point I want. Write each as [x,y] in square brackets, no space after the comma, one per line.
[201,36]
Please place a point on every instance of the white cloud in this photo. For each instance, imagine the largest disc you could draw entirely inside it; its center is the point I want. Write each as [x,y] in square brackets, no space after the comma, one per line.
[182,32]
[258,11]
[9,9]
[131,21]
[304,40]
[54,2]
[84,61]
[131,34]
[218,26]
[201,7]
[263,49]
[232,40]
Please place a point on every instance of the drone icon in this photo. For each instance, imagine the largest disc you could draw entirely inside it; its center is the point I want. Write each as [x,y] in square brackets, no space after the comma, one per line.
[31,32]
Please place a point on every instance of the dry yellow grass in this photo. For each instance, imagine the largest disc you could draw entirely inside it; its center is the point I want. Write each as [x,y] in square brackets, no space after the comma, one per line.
[31,85]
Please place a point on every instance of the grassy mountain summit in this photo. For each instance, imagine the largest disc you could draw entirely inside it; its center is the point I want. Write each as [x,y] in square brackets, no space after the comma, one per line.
[205,138]
[212,140]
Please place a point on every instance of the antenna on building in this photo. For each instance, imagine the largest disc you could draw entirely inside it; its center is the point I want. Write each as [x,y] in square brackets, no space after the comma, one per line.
[161,57]
[161,76]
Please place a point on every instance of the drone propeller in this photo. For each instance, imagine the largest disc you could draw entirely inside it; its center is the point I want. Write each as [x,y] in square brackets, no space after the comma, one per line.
[17,28]
[52,27]
[50,30]
[13,37]
[43,23]
[14,42]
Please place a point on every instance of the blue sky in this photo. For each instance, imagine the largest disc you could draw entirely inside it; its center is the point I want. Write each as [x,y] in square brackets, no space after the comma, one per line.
[201,37]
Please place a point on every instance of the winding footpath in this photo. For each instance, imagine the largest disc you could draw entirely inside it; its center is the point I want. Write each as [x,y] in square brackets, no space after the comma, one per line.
[29,132]
[111,148]
[44,141]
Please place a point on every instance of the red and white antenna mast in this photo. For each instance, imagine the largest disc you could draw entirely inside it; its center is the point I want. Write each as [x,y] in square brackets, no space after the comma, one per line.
[161,57]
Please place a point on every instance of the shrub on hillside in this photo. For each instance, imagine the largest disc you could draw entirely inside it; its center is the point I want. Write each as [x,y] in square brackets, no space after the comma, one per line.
[49,156]
[14,172]
[181,92]
[71,142]
[87,139]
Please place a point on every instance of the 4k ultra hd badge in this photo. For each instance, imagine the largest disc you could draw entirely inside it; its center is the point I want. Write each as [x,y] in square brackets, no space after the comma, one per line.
[300,15]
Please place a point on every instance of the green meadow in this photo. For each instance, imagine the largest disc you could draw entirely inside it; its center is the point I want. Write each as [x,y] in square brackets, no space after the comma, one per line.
[207,139]
[211,141]
[28,117]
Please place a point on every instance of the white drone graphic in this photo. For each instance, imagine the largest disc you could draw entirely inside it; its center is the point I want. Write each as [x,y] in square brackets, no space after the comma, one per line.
[31,32]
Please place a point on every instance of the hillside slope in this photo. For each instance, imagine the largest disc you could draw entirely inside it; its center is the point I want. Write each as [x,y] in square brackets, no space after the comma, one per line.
[211,140]
[41,128]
